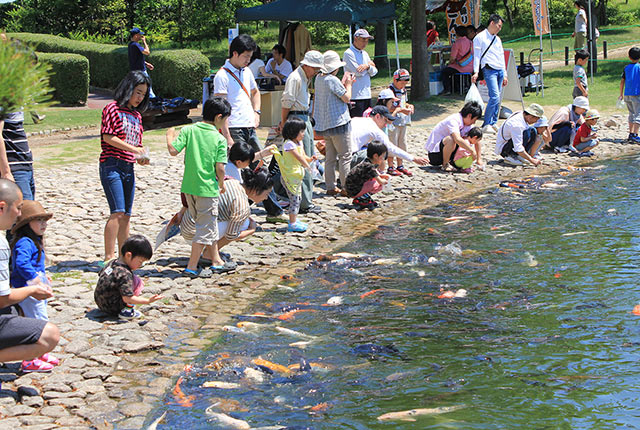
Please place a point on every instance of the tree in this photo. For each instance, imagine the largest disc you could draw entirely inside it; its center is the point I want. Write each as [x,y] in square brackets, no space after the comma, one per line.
[420,75]
[380,52]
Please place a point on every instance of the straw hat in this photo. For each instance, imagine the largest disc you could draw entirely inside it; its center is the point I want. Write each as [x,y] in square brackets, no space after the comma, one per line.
[313,59]
[331,61]
[30,211]
[592,114]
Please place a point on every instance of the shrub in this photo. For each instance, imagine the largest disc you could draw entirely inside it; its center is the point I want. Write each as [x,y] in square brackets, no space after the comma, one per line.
[69,76]
[177,72]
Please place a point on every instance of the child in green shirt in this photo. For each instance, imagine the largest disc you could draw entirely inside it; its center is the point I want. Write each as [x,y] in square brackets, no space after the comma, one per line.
[203,180]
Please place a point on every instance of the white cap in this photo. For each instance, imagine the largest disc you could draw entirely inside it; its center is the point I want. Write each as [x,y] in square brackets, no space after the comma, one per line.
[361,32]
[387,94]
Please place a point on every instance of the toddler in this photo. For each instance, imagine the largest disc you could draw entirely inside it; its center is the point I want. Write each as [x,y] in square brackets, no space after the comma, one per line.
[118,288]
[365,178]
[586,138]
[27,268]
[463,159]
[292,162]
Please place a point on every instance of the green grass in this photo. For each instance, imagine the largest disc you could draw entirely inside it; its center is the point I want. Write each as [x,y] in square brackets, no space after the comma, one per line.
[61,118]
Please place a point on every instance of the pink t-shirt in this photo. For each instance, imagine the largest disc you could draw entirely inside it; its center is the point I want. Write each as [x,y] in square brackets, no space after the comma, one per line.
[461,47]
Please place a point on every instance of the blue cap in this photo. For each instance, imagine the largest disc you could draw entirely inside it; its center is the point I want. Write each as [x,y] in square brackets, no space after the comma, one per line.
[136,30]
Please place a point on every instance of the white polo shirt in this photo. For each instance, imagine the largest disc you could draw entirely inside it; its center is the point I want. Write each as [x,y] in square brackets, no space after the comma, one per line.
[242,114]
[365,131]
[512,129]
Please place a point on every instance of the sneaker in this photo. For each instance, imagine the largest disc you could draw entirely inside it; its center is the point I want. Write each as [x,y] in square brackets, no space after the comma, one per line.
[635,138]
[393,172]
[48,358]
[404,170]
[313,209]
[297,227]
[37,118]
[489,129]
[512,161]
[587,154]
[631,137]
[129,313]
[36,365]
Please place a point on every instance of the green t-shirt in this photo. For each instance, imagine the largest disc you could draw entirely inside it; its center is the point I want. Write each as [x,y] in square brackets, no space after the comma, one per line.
[205,147]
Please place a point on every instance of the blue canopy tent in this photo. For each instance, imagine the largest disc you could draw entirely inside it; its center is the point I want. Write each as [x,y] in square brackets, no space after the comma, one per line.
[349,12]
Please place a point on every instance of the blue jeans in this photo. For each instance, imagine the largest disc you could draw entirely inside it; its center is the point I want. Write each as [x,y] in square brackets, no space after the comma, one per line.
[561,136]
[494,80]
[24,180]
[119,184]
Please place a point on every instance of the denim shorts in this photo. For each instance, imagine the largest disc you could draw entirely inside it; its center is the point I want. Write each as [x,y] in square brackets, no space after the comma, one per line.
[119,184]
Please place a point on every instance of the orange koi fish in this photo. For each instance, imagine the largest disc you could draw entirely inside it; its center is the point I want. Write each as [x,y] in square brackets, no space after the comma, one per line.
[180,398]
[273,366]
[291,314]
[368,293]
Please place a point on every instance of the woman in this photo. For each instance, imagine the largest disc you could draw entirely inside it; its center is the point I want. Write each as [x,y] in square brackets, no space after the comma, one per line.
[333,121]
[461,59]
[432,33]
[256,65]
[565,122]
[580,28]
[121,142]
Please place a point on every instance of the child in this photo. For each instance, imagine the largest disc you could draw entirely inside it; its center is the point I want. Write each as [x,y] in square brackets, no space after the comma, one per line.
[116,291]
[365,179]
[203,180]
[241,155]
[463,159]
[579,74]
[630,89]
[292,163]
[586,138]
[385,98]
[402,110]
[542,128]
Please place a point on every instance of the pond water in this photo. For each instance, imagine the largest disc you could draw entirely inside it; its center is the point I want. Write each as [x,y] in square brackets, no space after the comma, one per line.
[544,338]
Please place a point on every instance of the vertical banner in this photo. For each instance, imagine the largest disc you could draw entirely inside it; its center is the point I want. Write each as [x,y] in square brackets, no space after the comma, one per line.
[468,14]
[540,17]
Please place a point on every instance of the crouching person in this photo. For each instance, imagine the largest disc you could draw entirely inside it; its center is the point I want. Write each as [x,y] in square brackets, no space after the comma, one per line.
[517,141]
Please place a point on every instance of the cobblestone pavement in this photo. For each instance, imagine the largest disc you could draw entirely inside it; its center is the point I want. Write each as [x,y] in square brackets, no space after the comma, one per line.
[113,373]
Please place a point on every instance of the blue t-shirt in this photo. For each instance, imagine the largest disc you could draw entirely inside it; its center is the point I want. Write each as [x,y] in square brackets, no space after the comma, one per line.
[136,59]
[631,76]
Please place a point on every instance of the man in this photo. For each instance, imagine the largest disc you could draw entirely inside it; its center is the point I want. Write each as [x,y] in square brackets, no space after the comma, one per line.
[358,62]
[278,67]
[16,160]
[295,101]
[367,130]
[235,82]
[517,141]
[447,136]
[137,53]
[488,56]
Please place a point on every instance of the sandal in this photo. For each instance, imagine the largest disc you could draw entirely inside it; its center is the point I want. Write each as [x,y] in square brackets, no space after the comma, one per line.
[226,267]
[204,273]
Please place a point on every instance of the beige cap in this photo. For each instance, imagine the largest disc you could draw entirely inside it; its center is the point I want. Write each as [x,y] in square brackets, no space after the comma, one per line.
[535,109]
[331,61]
[313,59]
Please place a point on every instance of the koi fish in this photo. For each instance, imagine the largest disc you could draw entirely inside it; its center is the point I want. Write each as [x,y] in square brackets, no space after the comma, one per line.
[302,344]
[320,407]
[409,415]
[253,374]
[456,218]
[450,294]
[221,384]
[575,233]
[294,333]
[226,421]
[180,398]
[154,424]
[636,310]
[248,325]
[368,293]
[291,314]
[272,366]
[232,329]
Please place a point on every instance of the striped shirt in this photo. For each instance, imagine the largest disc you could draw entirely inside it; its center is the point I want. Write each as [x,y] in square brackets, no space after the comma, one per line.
[5,252]
[15,142]
[233,207]
[122,123]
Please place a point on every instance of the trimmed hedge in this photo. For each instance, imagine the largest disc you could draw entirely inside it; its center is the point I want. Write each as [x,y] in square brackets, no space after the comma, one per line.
[177,72]
[69,76]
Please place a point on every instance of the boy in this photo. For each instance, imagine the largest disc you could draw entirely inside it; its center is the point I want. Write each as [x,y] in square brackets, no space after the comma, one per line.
[398,135]
[115,292]
[241,155]
[579,74]
[586,138]
[365,179]
[20,338]
[630,89]
[203,180]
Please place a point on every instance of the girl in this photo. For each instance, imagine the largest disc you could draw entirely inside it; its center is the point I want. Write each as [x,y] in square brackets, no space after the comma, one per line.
[121,142]
[292,163]
[27,268]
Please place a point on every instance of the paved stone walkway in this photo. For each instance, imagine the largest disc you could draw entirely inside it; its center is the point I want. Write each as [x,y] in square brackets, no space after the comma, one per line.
[113,373]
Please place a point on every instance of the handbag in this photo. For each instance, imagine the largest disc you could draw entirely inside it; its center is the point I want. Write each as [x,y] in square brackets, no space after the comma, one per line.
[481,71]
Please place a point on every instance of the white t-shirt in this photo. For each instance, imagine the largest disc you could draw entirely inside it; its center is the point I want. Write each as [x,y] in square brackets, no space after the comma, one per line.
[365,131]
[494,56]
[512,129]
[284,69]
[581,22]
[242,114]
[255,67]
[5,253]
[451,124]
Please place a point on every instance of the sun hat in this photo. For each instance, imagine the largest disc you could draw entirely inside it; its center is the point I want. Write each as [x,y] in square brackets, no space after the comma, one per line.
[542,122]
[313,59]
[382,110]
[535,109]
[581,102]
[387,94]
[30,211]
[592,114]
[361,32]
[401,75]
[136,30]
[331,61]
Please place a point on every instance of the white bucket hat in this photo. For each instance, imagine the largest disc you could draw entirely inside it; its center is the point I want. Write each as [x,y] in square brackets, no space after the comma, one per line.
[313,59]
[581,102]
[331,61]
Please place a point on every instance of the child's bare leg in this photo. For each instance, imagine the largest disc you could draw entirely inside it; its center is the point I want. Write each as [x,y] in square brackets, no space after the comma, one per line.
[196,252]
[214,255]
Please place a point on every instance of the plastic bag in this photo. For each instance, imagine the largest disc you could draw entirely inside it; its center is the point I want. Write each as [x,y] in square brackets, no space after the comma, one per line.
[473,95]
[620,104]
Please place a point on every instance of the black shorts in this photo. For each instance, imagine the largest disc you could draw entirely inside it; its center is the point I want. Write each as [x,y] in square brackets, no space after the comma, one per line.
[15,330]
[435,158]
